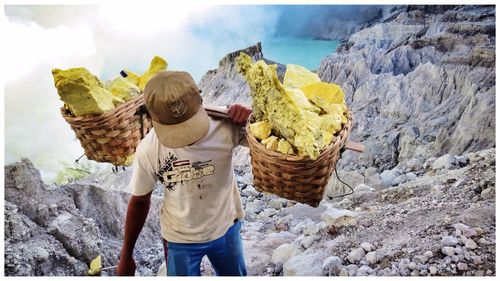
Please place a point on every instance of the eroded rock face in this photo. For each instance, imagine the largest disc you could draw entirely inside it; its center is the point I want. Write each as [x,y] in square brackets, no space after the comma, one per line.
[58,230]
[419,86]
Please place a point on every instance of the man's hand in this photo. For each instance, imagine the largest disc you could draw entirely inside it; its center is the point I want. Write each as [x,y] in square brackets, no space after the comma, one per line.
[126,266]
[239,113]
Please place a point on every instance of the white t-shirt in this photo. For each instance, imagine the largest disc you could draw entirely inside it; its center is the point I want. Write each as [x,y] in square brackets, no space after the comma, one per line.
[201,199]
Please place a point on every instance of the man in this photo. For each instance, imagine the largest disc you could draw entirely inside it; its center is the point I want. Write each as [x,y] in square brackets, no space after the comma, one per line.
[190,153]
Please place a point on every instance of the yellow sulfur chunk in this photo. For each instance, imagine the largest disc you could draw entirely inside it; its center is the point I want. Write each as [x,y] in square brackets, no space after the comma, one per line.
[95,266]
[297,76]
[83,93]
[327,138]
[285,147]
[132,76]
[157,64]
[261,130]
[326,95]
[300,99]
[331,123]
[124,89]
[271,102]
[271,143]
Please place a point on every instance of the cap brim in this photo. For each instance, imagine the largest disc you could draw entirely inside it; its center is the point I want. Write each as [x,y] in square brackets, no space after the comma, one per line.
[185,133]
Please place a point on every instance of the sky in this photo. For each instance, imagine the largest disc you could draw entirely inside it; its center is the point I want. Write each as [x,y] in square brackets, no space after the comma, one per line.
[106,39]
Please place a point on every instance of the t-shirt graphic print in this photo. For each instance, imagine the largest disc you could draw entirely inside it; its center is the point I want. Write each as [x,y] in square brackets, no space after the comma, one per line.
[172,171]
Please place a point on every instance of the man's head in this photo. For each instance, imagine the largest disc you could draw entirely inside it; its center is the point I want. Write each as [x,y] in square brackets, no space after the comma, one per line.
[174,103]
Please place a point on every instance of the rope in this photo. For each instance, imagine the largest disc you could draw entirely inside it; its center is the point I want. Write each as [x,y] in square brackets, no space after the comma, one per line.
[337,175]
[79,158]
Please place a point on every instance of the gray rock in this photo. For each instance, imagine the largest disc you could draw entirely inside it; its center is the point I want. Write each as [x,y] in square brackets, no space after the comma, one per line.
[338,218]
[307,241]
[399,180]
[250,191]
[422,258]
[471,232]
[403,263]
[372,258]
[414,164]
[367,246]
[449,251]
[40,253]
[388,176]
[429,254]
[449,241]
[462,266]
[267,213]
[433,270]
[446,162]
[304,264]
[301,226]
[460,226]
[332,266]
[311,229]
[361,189]
[370,172]
[344,272]
[352,269]
[477,260]
[462,160]
[458,250]
[278,203]
[428,163]
[469,244]
[282,253]
[364,270]
[356,255]
[253,207]
[411,176]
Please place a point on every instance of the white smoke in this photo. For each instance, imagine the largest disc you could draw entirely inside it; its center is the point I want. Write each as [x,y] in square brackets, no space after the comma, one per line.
[105,39]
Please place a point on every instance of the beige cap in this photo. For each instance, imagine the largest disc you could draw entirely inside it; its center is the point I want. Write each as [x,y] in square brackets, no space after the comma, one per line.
[174,103]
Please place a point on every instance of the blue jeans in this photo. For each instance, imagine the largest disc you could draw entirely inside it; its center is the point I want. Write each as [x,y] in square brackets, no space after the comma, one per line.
[225,255]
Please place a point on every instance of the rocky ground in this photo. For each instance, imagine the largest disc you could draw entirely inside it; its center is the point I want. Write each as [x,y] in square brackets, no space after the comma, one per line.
[441,221]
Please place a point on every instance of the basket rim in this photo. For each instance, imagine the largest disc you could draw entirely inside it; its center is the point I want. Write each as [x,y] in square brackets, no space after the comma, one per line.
[341,139]
[106,116]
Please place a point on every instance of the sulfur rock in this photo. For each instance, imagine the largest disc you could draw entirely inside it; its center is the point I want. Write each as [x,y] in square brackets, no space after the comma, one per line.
[261,130]
[271,102]
[284,147]
[300,99]
[132,76]
[124,89]
[271,143]
[157,64]
[327,138]
[331,123]
[297,76]
[82,92]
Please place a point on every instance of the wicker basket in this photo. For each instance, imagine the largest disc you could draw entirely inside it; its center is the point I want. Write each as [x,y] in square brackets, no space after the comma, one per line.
[292,177]
[114,135]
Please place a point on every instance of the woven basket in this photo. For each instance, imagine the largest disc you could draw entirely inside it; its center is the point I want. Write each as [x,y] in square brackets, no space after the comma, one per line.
[114,135]
[296,178]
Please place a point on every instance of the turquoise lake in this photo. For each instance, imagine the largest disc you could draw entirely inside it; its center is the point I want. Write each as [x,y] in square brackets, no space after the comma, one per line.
[302,51]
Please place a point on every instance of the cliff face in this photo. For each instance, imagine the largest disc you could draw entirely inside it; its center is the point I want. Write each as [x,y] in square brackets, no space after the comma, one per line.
[419,85]
[58,230]
[330,21]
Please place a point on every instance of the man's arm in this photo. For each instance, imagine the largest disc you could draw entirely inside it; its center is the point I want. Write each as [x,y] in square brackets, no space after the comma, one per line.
[238,113]
[137,212]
